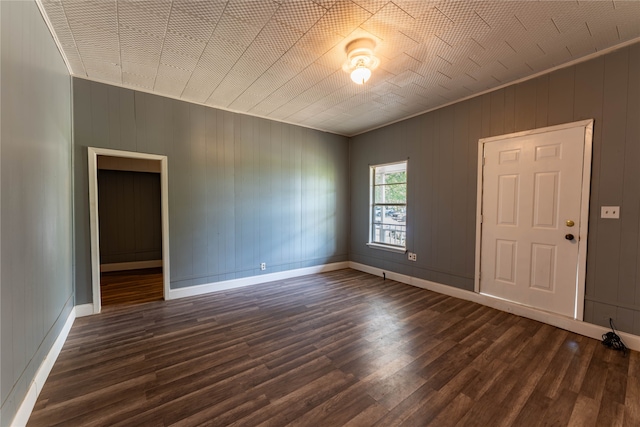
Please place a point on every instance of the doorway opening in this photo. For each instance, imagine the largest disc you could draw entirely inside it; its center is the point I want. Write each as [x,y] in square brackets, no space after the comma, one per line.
[128,207]
[533,211]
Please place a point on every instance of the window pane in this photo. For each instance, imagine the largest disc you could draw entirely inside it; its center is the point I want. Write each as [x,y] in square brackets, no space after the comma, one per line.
[389,234]
[395,215]
[378,192]
[395,193]
[377,214]
[390,177]
[389,204]
[390,215]
[396,178]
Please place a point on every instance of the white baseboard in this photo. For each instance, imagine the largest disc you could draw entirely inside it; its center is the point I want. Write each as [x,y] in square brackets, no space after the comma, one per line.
[579,327]
[253,280]
[84,310]
[572,325]
[134,265]
[29,401]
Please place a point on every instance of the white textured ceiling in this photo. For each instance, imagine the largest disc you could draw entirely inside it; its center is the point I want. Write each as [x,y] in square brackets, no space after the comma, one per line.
[282,59]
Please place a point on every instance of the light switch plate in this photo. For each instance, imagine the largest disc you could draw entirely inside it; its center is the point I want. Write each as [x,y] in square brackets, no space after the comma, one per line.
[612,212]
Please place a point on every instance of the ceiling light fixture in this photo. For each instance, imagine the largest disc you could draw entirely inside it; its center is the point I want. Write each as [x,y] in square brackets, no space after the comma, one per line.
[360,60]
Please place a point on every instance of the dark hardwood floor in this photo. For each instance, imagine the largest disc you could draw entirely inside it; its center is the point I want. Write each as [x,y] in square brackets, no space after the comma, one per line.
[131,286]
[333,349]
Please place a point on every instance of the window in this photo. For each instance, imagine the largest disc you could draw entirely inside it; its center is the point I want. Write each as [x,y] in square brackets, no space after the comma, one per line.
[388,208]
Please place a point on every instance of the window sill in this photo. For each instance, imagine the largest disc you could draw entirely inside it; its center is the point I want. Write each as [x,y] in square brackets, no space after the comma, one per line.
[395,249]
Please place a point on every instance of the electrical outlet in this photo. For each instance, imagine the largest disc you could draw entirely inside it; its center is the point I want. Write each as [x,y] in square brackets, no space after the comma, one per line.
[612,212]
[263,266]
[413,257]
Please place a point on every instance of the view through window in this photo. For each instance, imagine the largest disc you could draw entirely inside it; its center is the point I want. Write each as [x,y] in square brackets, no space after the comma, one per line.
[389,205]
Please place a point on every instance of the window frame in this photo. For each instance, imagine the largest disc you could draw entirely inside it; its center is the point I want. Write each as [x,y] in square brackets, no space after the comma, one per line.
[372,243]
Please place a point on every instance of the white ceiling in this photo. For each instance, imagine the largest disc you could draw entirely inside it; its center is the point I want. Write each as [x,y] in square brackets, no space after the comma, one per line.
[282,59]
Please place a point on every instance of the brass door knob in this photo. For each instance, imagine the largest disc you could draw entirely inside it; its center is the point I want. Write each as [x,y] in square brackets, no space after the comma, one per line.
[570,223]
[569,236]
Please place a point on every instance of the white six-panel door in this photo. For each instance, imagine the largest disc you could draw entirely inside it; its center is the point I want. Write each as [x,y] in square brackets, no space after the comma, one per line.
[532,194]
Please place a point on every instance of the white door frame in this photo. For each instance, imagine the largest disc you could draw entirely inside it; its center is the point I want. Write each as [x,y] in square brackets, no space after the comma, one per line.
[584,207]
[93,154]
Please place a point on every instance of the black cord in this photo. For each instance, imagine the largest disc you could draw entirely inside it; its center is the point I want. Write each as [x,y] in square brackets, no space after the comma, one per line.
[613,340]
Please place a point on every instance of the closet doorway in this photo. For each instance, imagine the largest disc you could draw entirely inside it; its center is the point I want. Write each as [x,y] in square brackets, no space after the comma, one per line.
[129,227]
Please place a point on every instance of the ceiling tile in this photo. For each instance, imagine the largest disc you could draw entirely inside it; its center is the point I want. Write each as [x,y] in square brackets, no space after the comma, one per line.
[138,81]
[255,12]
[101,70]
[148,16]
[344,17]
[169,86]
[208,11]
[299,14]
[190,27]
[283,59]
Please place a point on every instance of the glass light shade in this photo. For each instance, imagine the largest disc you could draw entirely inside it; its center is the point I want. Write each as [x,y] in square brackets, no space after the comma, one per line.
[360,75]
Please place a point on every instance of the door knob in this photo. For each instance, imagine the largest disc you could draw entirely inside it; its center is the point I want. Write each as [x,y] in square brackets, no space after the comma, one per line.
[569,236]
[570,223]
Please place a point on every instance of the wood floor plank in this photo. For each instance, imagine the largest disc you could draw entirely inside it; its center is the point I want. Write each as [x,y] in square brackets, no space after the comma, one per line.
[407,407]
[559,411]
[453,412]
[611,413]
[523,391]
[331,349]
[368,417]
[438,401]
[131,287]
[632,397]
[585,412]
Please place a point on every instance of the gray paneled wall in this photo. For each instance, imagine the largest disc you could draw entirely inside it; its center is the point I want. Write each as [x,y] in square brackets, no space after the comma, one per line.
[242,190]
[442,148]
[36,283]
[130,216]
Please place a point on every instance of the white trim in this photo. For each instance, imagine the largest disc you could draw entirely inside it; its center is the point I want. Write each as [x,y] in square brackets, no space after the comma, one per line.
[26,407]
[133,265]
[164,200]
[93,154]
[372,204]
[547,129]
[382,247]
[476,280]
[577,326]
[253,280]
[29,401]
[45,17]
[94,227]
[584,218]
[584,206]
[502,86]
[215,107]
[126,154]
[511,83]
[84,310]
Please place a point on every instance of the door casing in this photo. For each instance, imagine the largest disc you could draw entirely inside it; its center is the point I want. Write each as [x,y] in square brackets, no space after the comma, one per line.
[93,154]
[584,208]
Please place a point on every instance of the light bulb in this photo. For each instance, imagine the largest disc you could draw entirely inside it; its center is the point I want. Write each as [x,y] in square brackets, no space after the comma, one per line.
[360,60]
[361,74]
